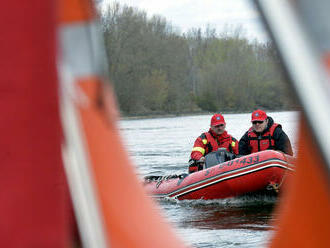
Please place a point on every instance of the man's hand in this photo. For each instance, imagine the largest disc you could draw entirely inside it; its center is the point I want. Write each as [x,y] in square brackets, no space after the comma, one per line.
[201,160]
[201,163]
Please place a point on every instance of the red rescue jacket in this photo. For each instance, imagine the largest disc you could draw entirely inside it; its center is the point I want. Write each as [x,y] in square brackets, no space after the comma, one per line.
[209,142]
[262,142]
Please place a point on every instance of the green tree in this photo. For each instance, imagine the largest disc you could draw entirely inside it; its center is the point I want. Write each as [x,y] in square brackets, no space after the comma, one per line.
[156,69]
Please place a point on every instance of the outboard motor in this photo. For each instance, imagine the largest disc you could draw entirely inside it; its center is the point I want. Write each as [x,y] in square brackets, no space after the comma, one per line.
[211,159]
[218,157]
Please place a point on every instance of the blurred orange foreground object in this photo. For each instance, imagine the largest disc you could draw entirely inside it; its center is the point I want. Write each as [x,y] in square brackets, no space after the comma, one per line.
[76,10]
[326,61]
[305,210]
[130,217]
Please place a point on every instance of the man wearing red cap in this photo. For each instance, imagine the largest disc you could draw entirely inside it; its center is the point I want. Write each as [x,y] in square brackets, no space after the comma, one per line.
[264,135]
[217,137]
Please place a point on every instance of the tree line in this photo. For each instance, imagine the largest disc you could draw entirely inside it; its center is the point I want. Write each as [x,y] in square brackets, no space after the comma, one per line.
[156,69]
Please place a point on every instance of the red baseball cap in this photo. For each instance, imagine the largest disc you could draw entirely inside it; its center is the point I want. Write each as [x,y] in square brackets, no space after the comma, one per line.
[217,119]
[258,115]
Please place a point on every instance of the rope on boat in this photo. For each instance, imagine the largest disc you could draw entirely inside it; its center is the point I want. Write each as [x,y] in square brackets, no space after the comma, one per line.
[160,179]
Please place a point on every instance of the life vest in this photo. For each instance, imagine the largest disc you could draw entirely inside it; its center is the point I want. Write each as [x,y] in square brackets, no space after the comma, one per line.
[262,142]
[213,144]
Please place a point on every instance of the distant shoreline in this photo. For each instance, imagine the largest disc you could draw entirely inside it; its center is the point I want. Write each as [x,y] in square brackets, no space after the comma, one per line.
[154,116]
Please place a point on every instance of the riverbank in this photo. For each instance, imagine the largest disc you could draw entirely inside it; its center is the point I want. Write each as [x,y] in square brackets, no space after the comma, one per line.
[161,115]
[169,115]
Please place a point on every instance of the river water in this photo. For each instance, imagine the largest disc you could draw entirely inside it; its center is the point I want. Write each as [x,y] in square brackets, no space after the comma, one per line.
[161,146]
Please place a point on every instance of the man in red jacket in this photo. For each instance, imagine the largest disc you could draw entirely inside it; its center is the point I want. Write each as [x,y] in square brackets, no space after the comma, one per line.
[217,137]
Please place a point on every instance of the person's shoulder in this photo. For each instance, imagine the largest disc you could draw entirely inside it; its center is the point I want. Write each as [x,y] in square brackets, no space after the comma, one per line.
[279,132]
[245,135]
[203,135]
[250,130]
[229,135]
[277,127]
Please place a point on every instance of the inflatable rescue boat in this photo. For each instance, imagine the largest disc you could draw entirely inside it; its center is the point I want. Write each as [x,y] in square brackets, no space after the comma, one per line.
[258,173]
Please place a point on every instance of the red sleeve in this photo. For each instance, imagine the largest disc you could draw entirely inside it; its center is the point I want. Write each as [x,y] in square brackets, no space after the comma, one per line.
[196,153]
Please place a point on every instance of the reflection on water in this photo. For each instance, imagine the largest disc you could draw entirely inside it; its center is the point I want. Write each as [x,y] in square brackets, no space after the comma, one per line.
[162,146]
[237,213]
[239,222]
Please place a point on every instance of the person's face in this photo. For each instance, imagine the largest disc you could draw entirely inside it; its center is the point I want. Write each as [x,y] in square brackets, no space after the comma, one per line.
[219,129]
[259,126]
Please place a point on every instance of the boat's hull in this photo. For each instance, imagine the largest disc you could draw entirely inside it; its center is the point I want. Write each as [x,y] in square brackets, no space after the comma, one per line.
[262,171]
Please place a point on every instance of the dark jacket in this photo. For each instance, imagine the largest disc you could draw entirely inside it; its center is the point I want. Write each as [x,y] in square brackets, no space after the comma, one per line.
[282,142]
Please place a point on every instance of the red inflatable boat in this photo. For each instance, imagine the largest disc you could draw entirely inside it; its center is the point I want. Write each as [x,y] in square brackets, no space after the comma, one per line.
[262,172]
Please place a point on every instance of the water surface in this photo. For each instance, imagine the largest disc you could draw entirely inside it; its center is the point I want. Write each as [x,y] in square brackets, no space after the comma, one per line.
[162,146]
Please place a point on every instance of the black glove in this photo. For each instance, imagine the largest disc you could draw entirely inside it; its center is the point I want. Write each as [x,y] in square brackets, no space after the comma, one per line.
[196,165]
